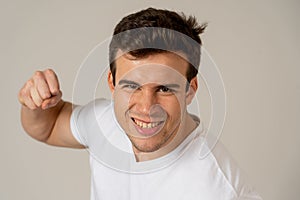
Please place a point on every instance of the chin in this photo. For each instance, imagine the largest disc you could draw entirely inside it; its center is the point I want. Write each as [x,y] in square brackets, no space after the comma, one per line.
[146,149]
[148,145]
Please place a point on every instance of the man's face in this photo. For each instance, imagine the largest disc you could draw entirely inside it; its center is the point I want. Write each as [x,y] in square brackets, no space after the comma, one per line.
[150,98]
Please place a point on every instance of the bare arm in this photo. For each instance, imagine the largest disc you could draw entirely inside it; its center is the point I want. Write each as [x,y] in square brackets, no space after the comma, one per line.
[44,115]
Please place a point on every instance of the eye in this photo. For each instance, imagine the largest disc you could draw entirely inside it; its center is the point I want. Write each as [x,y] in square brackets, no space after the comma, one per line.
[130,87]
[165,89]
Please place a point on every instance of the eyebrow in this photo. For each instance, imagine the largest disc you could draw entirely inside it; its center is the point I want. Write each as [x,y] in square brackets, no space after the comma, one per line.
[172,85]
[124,81]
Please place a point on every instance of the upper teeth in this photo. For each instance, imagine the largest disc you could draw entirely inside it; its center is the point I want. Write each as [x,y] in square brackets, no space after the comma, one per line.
[146,125]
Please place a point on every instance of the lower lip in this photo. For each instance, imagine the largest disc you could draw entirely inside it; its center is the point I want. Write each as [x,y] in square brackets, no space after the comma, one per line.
[148,132]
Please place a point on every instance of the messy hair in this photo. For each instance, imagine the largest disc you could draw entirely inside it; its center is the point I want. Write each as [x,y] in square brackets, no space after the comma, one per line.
[153,31]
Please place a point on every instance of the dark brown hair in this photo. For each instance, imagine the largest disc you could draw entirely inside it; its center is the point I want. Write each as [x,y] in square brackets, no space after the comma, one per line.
[154,31]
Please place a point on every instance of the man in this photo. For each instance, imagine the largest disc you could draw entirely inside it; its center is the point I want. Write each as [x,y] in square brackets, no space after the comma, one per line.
[143,144]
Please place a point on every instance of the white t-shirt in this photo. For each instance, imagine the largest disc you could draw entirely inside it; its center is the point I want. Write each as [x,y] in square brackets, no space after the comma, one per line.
[180,175]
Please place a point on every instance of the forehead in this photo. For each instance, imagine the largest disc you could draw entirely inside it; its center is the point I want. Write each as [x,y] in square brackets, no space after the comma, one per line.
[157,67]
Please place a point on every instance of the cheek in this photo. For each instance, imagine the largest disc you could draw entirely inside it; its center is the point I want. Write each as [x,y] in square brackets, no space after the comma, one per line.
[121,106]
[172,106]
[121,98]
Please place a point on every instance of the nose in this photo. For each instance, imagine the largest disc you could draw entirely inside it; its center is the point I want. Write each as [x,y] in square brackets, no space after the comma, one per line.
[143,101]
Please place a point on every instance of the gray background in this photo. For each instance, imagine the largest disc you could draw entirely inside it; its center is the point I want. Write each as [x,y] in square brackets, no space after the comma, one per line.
[254,43]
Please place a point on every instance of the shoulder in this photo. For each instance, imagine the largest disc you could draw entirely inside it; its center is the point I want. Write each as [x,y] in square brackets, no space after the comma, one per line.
[97,106]
[85,120]
[224,169]
[89,114]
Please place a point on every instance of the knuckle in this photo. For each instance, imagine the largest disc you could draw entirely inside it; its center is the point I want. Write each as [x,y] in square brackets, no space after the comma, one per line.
[38,74]
[38,104]
[55,90]
[29,83]
[37,101]
[23,93]
[45,95]
[49,72]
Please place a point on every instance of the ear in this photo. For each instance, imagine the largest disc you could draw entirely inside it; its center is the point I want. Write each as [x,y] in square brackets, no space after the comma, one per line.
[110,81]
[193,86]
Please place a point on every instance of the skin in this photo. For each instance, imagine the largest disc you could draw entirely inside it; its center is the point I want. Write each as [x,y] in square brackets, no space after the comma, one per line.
[149,90]
[45,116]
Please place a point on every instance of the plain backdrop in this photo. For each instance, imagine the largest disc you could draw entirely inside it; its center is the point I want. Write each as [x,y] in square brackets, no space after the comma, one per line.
[255,44]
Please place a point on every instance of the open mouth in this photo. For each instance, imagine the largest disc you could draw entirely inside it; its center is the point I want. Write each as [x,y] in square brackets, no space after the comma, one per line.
[147,128]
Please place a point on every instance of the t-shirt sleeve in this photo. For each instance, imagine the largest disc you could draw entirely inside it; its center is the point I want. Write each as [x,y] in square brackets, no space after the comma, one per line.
[75,121]
[234,174]
[83,120]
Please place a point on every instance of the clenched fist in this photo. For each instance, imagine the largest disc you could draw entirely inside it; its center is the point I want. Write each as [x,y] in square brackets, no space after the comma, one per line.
[41,90]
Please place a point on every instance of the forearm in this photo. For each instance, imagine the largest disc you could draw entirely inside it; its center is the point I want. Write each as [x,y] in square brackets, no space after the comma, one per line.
[39,123]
